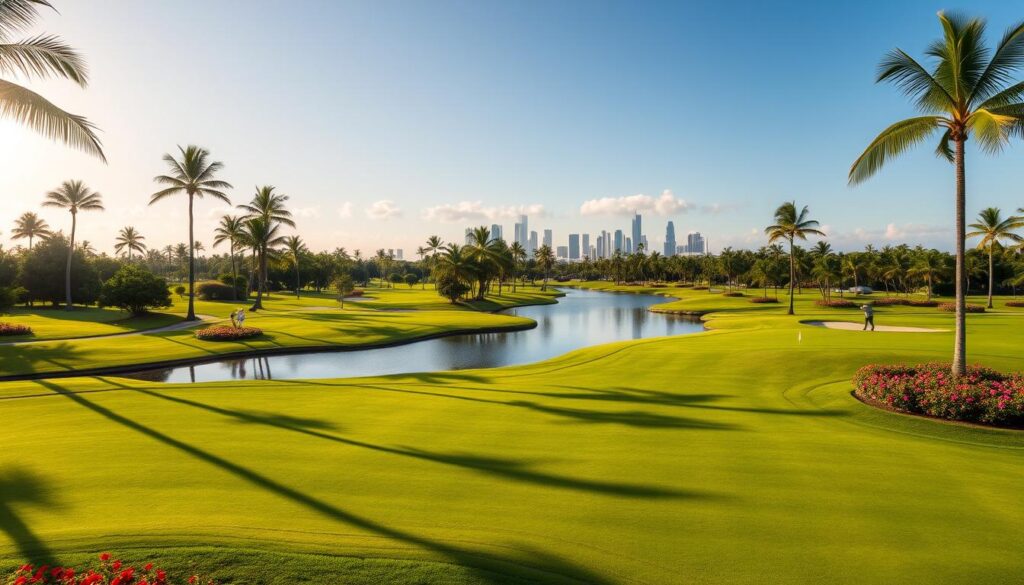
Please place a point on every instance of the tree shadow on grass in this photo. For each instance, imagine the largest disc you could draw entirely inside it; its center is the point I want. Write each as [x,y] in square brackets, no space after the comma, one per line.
[20,486]
[490,568]
[508,468]
[26,359]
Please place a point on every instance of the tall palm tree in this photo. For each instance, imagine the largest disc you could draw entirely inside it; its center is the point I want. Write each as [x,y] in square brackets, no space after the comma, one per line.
[73,196]
[41,57]
[295,247]
[261,236]
[518,258]
[30,226]
[268,206]
[791,225]
[991,228]
[131,240]
[193,175]
[545,261]
[929,265]
[231,229]
[967,92]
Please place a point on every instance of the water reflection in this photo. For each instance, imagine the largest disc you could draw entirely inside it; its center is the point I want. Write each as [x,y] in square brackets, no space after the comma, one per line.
[580,319]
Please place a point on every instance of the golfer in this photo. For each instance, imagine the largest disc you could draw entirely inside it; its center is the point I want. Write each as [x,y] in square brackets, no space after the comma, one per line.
[241,318]
[869,316]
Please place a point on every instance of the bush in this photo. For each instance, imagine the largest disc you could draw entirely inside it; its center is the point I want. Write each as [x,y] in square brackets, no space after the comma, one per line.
[836,304]
[890,301]
[227,333]
[411,279]
[179,290]
[241,283]
[762,300]
[451,288]
[919,303]
[135,289]
[9,296]
[357,292]
[982,395]
[701,287]
[1015,304]
[14,329]
[951,308]
[42,273]
[107,572]
[215,291]
[732,294]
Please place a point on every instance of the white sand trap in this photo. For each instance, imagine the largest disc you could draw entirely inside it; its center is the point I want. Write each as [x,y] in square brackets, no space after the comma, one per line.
[848,326]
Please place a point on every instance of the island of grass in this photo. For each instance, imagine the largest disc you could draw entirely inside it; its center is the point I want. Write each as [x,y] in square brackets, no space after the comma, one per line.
[731,456]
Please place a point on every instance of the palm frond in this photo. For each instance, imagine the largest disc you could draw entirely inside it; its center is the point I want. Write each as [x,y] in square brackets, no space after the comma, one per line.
[944,150]
[43,56]
[893,141]
[34,111]
[1008,57]
[18,15]
[910,77]
[991,130]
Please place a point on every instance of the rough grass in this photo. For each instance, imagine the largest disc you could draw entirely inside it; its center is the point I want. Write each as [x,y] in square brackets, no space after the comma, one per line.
[733,456]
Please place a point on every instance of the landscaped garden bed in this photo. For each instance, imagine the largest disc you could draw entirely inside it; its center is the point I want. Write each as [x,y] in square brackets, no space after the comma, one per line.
[981,396]
[1018,304]
[228,333]
[14,329]
[732,294]
[762,300]
[951,308]
[107,572]
[892,301]
[836,304]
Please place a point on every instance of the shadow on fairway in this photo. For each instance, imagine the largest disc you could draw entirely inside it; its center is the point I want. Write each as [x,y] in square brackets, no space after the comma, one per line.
[20,486]
[503,467]
[18,359]
[490,568]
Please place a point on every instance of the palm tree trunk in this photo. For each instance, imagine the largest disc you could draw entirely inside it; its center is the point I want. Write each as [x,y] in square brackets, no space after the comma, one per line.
[296,276]
[960,343]
[792,276]
[234,272]
[67,268]
[191,315]
[991,276]
[261,269]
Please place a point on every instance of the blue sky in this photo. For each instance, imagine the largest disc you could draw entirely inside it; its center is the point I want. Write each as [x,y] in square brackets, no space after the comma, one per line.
[390,121]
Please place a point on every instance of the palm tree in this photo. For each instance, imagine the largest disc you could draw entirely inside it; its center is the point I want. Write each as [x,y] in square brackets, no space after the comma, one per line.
[129,239]
[30,226]
[231,229]
[434,244]
[518,258]
[967,93]
[295,247]
[41,57]
[261,234]
[193,175]
[270,208]
[789,226]
[73,196]
[545,261]
[455,261]
[930,265]
[992,228]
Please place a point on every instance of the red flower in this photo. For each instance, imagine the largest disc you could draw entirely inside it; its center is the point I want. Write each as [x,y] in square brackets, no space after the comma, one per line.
[192,580]
[116,565]
[20,580]
[148,567]
[104,557]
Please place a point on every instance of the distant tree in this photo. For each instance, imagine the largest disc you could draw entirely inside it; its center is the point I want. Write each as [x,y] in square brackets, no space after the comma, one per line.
[991,227]
[545,261]
[73,196]
[180,291]
[44,276]
[450,286]
[411,279]
[791,225]
[295,248]
[30,226]
[343,286]
[136,290]
[231,229]
[129,240]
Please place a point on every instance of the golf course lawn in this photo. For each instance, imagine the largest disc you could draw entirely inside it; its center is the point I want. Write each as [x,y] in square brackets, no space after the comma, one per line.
[737,455]
[56,323]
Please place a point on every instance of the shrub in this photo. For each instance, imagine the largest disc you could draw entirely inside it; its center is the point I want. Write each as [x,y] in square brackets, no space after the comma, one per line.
[700,287]
[135,289]
[762,300]
[411,279]
[107,572]
[920,303]
[732,294]
[42,273]
[356,292]
[14,329]
[451,288]
[683,285]
[982,395]
[344,287]
[215,291]
[1015,303]
[227,333]
[890,301]
[836,304]
[179,290]
[951,308]
[9,296]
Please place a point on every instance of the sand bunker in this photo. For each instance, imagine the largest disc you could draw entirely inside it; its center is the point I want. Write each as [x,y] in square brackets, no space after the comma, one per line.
[847,326]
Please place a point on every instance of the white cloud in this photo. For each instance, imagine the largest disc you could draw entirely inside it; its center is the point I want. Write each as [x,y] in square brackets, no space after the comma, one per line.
[345,210]
[718,208]
[383,209]
[665,204]
[464,211]
[306,212]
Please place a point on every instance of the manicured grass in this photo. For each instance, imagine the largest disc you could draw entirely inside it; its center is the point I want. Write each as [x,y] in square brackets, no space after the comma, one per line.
[733,456]
[50,323]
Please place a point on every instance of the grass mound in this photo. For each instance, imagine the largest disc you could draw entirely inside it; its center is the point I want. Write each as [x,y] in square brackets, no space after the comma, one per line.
[981,396]
[226,333]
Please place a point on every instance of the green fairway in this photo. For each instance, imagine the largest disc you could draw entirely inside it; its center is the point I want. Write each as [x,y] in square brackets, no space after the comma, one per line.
[56,323]
[737,455]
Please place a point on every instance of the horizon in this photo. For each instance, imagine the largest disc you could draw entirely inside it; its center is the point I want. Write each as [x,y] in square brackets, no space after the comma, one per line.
[410,121]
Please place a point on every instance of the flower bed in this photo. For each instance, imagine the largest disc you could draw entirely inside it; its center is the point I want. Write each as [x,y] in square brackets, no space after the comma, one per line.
[357,292]
[760,300]
[918,303]
[982,395]
[732,294]
[700,288]
[228,333]
[14,329]
[107,572]
[1015,303]
[951,308]
[890,301]
[836,304]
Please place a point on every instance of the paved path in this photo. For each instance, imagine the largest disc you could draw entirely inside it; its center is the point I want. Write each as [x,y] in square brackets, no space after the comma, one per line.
[848,326]
[203,320]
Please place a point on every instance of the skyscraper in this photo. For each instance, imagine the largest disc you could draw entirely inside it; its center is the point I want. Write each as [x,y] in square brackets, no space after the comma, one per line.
[574,246]
[619,243]
[469,236]
[586,246]
[670,239]
[562,253]
[531,246]
[524,232]
[638,236]
[548,237]
[496,232]
[695,244]
[599,248]
[628,248]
